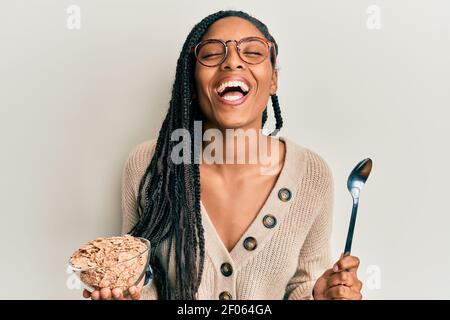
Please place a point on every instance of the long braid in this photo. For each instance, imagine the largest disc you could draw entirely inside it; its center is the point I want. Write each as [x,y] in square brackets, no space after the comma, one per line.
[168,201]
[277,114]
[264,117]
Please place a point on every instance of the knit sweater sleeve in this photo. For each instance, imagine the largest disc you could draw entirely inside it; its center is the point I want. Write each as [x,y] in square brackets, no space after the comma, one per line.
[134,169]
[315,254]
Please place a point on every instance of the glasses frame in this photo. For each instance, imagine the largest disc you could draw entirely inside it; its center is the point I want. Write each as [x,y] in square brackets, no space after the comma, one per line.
[270,49]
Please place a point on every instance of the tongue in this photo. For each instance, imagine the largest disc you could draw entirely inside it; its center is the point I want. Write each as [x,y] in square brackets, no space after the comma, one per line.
[234,94]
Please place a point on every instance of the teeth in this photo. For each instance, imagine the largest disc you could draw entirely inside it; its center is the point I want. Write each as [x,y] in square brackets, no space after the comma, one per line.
[240,84]
[232,98]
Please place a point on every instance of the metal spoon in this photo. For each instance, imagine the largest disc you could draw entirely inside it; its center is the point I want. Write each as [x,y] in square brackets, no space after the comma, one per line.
[355,182]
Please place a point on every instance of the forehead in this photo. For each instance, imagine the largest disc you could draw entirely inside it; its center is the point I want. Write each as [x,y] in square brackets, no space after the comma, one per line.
[231,28]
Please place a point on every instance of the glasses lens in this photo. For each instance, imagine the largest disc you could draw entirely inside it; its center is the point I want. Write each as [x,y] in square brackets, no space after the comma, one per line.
[253,51]
[211,53]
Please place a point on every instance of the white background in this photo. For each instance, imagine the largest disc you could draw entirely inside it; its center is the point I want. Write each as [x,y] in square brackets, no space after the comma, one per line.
[73,104]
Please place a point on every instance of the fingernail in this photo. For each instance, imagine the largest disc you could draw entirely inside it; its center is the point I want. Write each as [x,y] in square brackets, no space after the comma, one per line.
[335,268]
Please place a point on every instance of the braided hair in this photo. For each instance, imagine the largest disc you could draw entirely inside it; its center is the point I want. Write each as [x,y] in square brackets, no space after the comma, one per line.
[169,194]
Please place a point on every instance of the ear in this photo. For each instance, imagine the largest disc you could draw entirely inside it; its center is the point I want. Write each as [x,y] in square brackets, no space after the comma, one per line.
[274,82]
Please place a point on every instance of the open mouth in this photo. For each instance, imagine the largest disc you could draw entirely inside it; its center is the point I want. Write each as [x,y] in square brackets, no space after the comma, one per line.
[233,91]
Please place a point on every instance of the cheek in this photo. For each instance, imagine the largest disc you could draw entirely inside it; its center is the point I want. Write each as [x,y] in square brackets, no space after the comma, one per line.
[263,76]
[264,89]
[202,79]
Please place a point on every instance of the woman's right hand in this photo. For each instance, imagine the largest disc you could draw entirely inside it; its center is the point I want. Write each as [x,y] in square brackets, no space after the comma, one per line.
[115,294]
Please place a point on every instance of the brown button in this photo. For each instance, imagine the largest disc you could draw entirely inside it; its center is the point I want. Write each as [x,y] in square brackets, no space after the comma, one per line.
[284,194]
[225,296]
[269,221]
[250,243]
[226,269]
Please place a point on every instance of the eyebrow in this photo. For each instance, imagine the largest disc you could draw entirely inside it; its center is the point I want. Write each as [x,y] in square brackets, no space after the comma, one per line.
[217,38]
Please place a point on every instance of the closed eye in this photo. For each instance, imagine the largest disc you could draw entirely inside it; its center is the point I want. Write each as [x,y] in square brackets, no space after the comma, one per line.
[211,55]
[253,53]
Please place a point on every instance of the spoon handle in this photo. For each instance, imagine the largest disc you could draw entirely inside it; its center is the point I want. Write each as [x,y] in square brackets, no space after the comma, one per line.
[351,227]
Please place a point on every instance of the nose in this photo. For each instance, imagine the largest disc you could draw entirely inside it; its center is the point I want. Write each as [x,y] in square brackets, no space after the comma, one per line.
[233,60]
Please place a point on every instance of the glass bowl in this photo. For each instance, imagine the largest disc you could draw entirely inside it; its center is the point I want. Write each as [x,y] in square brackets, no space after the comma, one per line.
[123,274]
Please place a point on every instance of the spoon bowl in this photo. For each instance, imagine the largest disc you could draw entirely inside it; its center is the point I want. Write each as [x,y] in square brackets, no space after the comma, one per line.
[358,176]
[355,182]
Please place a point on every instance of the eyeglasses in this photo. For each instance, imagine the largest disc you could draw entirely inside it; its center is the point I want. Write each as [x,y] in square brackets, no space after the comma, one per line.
[252,50]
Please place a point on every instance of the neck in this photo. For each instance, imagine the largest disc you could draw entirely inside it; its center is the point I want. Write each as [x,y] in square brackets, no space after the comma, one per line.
[241,151]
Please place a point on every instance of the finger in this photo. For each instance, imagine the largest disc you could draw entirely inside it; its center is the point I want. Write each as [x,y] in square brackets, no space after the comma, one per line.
[358,285]
[341,278]
[355,293]
[105,294]
[141,283]
[86,294]
[117,294]
[343,292]
[95,295]
[339,292]
[349,263]
[328,273]
[134,293]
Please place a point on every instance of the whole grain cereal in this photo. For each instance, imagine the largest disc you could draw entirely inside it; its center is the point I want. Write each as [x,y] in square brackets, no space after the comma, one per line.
[111,262]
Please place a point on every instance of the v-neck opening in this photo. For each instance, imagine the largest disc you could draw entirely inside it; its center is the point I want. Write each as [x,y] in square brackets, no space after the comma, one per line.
[271,197]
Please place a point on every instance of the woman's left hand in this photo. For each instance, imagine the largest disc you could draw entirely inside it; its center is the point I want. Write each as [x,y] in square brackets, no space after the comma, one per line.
[340,282]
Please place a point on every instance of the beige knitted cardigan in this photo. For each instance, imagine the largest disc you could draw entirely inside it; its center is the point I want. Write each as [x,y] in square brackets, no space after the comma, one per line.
[290,254]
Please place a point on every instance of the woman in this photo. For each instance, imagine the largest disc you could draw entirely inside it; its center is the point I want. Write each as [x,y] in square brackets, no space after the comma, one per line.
[231,231]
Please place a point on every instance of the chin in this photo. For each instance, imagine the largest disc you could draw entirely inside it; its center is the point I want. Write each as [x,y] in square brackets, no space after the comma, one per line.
[233,124]
[231,117]
[244,125]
